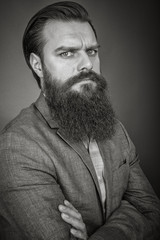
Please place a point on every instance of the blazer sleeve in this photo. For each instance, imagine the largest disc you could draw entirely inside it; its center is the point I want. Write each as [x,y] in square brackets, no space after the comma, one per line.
[29,192]
[138,216]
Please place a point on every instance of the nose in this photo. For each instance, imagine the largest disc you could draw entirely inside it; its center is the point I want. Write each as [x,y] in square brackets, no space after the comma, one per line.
[85,62]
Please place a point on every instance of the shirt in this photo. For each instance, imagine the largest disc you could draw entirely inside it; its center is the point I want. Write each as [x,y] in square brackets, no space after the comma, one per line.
[98,164]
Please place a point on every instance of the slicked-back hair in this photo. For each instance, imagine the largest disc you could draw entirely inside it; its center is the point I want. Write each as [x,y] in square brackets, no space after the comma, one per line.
[33,39]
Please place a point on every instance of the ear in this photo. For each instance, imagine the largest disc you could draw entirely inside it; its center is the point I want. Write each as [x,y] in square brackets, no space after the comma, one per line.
[36,64]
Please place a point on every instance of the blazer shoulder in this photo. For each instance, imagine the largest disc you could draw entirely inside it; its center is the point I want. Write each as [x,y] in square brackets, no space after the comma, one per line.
[120,131]
[23,123]
[122,136]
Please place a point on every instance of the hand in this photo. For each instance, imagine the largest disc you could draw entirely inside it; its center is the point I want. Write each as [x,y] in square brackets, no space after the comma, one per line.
[70,215]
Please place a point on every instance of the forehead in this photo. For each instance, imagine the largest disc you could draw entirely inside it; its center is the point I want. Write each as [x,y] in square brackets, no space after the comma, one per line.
[72,33]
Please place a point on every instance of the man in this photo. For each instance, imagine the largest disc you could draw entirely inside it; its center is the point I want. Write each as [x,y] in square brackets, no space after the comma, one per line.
[68,167]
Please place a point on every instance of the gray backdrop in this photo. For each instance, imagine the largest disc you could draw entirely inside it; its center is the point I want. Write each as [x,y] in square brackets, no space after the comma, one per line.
[128,34]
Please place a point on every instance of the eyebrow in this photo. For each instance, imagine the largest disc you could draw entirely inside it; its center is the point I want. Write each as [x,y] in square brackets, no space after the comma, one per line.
[70,48]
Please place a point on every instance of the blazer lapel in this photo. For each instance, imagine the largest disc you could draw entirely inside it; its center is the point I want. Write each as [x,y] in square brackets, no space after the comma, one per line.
[83,154]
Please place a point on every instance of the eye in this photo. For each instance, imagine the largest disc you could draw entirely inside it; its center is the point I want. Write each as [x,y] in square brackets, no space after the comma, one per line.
[92,52]
[66,54]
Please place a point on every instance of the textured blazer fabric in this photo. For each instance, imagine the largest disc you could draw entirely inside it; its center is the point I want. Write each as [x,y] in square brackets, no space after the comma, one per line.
[40,167]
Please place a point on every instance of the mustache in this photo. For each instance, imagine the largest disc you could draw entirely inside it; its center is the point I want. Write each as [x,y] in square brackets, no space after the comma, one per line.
[85,76]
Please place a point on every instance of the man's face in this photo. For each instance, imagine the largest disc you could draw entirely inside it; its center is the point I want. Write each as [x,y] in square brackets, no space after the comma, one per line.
[75,91]
[71,48]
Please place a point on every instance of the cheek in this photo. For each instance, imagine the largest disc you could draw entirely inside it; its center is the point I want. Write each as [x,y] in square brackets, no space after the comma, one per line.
[61,71]
[66,72]
[96,66]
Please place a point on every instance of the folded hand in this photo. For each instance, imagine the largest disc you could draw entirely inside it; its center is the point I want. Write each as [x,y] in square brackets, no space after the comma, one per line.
[70,215]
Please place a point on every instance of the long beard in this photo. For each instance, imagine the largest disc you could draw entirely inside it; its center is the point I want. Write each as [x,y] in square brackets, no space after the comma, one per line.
[80,114]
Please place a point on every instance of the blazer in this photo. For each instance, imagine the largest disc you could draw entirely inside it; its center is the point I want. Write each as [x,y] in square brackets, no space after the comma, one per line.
[40,167]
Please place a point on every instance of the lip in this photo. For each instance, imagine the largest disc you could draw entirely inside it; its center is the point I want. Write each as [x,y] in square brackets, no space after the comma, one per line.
[85,81]
[77,86]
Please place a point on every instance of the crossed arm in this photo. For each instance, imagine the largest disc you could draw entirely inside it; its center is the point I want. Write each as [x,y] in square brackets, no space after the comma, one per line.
[137,217]
[120,219]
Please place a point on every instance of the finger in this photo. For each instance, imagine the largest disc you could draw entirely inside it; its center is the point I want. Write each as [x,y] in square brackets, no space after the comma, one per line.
[78,234]
[70,212]
[74,222]
[68,204]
